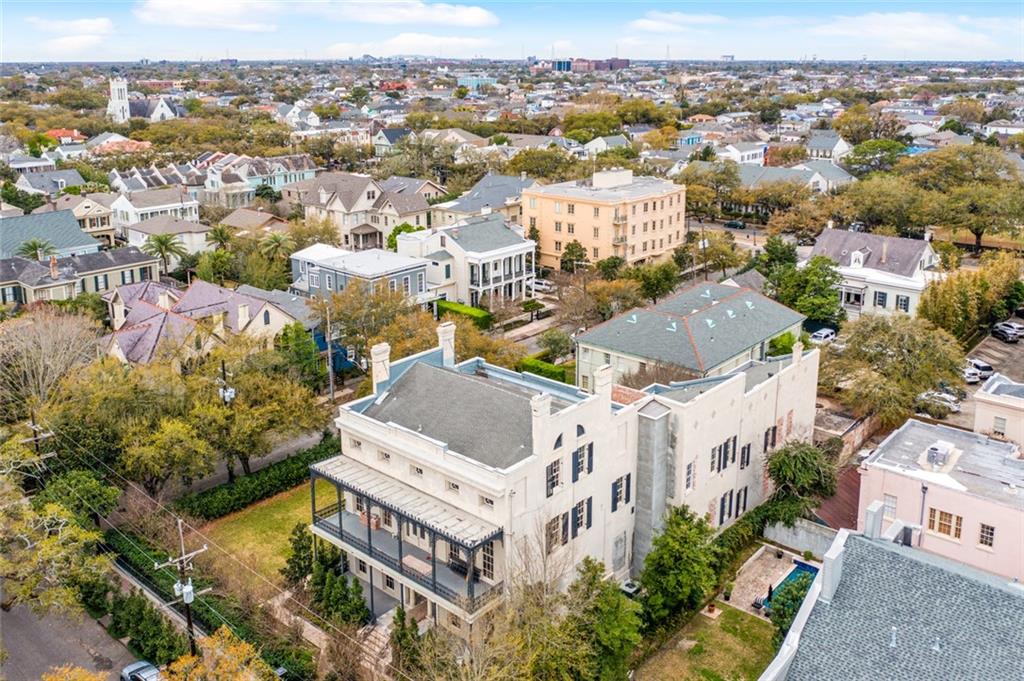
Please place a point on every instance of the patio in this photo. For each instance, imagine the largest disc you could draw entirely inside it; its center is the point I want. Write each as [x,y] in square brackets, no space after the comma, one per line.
[761,570]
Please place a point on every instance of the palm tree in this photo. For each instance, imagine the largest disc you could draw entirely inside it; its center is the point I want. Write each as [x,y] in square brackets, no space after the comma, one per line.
[36,249]
[220,236]
[277,245]
[164,246]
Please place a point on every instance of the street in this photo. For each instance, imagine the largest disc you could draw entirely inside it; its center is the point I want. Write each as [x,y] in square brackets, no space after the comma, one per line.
[752,237]
[35,645]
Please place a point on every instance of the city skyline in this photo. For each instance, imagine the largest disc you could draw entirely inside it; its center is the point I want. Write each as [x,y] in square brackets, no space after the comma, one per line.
[272,29]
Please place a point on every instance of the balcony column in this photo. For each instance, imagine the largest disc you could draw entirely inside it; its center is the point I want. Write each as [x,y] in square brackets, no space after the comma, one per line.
[370,568]
[471,566]
[341,502]
[401,569]
[312,496]
[369,526]
[433,561]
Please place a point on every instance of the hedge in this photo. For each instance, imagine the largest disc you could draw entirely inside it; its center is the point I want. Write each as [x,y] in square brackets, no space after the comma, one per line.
[481,318]
[542,368]
[244,491]
[210,611]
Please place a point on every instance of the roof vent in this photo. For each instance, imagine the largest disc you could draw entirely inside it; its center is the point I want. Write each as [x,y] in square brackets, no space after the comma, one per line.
[750,304]
[938,453]
[706,294]
[730,314]
[632,319]
[711,323]
[671,327]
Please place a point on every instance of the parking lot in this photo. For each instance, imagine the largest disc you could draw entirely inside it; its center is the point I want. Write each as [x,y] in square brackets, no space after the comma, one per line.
[1005,358]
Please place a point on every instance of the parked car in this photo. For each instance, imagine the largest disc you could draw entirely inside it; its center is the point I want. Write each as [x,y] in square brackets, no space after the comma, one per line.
[984,368]
[934,398]
[1005,333]
[140,671]
[823,336]
[1016,326]
[971,375]
[736,224]
[543,285]
[954,391]
[806,241]
[857,227]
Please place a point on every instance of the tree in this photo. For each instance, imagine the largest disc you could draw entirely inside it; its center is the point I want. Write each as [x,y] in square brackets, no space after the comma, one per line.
[811,290]
[785,156]
[404,641]
[678,572]
[302,355]
[404,228]
[719,252]
[20,198]
[164,246]
[656,281]
[533,306]
[313,231]
[873,156]
[854,125]
[223,657]
[981,208]
[801,471]
[888,201]
[358,95]
[722,177]
[556,343]
[174,449]
[80,492]
[607,618]
[360,313]
[338,597]
[255,269]
[69,673]
[277,246]
[216,267]
[777,252]
[549,164]
[786,602]
[461,92]
[610,267]
[959,164]
[35,356]
[962,302]
[887,362]
[574,257]
[35,249]
[608,298]
[661,138]
[221,236]
[964,109]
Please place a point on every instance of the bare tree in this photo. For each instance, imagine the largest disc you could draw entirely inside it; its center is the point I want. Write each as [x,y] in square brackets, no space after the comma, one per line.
[37,351]
[658,372]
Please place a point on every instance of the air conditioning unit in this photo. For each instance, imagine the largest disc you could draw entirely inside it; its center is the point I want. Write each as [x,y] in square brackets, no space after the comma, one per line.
[938,453]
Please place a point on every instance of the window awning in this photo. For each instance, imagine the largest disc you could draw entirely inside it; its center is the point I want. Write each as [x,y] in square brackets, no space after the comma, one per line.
[408,502]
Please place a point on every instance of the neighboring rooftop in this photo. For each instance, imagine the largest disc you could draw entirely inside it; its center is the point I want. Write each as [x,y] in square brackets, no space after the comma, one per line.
[492,190]
[892,254]
[697,329]
[997,384]
[59,227]
[483,233]
[610,186]
[947,621]
[977,465]
[169,224]
[368,264]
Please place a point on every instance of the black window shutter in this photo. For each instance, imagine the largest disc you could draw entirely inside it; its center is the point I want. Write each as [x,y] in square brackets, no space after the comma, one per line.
[721,510]
[767,434]
[575,465]
[732,452]
[615,496]
[590,458]
[775,430]
[565,527]
[590,506]
[575,523]
[627,487]
[548,480]
[730,503]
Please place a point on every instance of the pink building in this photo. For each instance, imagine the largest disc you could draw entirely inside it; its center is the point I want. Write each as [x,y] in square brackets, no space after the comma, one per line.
[962,492]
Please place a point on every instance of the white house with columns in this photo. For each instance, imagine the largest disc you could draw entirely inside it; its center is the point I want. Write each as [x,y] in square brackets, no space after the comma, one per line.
[457,478]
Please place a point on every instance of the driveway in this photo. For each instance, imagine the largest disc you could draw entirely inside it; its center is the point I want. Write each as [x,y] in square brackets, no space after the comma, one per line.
[35,644]
[1005,358]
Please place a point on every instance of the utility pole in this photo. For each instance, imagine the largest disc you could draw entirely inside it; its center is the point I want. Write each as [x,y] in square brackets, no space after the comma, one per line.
[183,587]
[227,394]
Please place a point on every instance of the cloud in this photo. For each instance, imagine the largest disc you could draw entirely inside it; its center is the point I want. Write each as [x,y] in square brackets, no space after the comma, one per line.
[93,26]
[912,33]
[234,15]
[413,12]
[68,45]
[412,43]
[674,22]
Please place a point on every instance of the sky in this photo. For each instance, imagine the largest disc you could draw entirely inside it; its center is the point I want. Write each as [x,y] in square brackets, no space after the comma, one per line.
[128,30]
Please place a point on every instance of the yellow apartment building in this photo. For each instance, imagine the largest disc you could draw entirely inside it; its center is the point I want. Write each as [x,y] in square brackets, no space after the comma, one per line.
[612,213]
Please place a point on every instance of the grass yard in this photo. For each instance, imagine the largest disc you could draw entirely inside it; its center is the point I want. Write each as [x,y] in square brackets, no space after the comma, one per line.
[259,534]
[734,646]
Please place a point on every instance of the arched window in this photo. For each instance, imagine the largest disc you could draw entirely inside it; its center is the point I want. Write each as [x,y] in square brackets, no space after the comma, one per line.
[580,431]
[558,442]
[266,317]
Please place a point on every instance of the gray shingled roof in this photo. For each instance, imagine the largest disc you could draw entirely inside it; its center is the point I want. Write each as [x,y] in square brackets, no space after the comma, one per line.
[482,419]
[697,329]
[491,190]
[824,140]
[293,305]
[901,255]
[977,620]
[49,180]
[484,233]
[59,227]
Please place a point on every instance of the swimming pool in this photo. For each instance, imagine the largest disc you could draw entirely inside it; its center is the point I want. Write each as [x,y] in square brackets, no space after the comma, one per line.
[799,568]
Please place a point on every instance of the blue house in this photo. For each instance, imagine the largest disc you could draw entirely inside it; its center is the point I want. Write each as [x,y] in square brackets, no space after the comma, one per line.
[59,228]
[322,270]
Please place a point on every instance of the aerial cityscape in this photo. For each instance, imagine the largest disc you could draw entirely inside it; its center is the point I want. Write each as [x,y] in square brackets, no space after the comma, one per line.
[400,340]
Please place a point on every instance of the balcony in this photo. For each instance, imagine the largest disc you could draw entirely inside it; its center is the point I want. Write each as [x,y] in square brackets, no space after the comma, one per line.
[619,219]
[619,239]
[444,569]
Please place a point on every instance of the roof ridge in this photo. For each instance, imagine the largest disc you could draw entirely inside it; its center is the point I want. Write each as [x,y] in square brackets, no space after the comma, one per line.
[693,344]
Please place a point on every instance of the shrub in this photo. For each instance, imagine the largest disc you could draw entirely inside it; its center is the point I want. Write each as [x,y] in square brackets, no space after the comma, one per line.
[274,479]
[481,318]
[542,368]
[152,635]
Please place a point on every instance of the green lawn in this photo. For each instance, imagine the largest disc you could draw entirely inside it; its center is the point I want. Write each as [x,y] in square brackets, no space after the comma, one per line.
[734,646]
[259,534]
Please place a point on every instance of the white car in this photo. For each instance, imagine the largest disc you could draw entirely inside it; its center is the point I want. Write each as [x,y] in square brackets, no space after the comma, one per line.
[984,369]
[823,336]
[971,375]
[543,285]
[1016,326]
[140,671]
[944,399]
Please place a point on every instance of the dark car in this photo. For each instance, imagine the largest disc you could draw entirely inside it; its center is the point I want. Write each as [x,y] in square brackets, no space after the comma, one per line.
[1004,333]
[736,224]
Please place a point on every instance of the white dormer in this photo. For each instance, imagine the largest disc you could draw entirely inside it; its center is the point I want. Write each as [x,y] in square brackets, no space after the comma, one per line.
[857,258]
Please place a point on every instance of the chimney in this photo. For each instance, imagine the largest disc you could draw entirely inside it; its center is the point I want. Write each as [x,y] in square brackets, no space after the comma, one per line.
[446,340]
[540,409]
[522,176]
[243,315]
[829,225]
[603,381]
[885,251]
[380,364]
[798,352]
[486,210]
[873,520]
[54,272]
[832,569]
[164,301]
